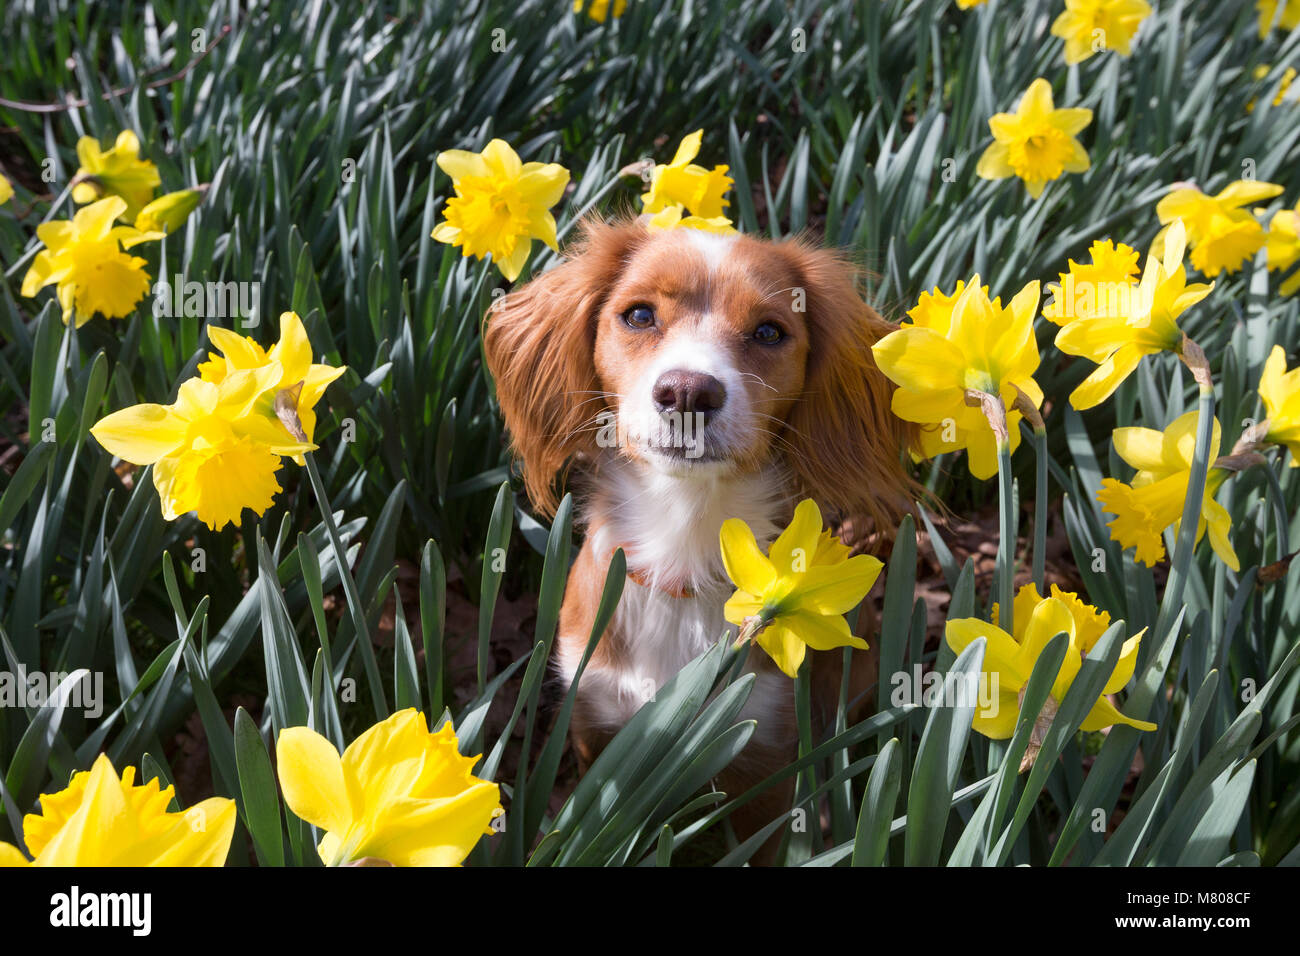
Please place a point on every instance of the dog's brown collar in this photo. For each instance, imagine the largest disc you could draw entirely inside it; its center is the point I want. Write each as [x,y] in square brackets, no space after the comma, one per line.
[644,579]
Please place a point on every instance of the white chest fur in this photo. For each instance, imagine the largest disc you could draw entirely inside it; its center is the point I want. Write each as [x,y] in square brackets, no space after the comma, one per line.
[668,526]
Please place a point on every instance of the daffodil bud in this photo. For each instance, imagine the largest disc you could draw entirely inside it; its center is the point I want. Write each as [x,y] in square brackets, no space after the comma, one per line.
[168,213]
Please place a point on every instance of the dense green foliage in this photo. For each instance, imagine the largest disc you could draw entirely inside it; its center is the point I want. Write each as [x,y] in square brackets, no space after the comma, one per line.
[317,126]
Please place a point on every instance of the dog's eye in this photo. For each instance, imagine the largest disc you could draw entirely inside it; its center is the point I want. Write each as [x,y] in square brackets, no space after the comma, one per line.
[639,317]
[768,334]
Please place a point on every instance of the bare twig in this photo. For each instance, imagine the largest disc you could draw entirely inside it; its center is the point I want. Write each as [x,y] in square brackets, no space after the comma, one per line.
[74,104]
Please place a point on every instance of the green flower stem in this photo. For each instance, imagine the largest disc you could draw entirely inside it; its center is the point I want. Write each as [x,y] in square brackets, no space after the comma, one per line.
[1281,519]
[1006,537]
[350,590]
[996,412]
[803,704]
[803,717]
[1186,543]
[1040,509]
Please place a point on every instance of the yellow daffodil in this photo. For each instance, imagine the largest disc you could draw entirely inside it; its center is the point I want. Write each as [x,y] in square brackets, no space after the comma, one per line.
[501,204]
[599,10]
[1222,235]
[1288,17]
[100,820]
[1154,499]
[300,383]
[1009,659]
[115,172]
[795,596]
[215,450]
[983,347]
[1093,26]
[1280,390]
[970,4]
[1288,77]
[399,793]
[672,217]
[1037,142]
[1117,342]
[683,183]
[84,258]
[6,190]
[933,310]
[1101,287]
[168,212]
[1283,247]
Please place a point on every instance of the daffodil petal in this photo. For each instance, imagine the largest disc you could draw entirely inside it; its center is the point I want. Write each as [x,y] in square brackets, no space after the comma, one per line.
[311,778]
[1050,618]
[141,434]
[10,856]
[744,561]
[201,835]
[1107,376]
[462,164]
[458,821]
[1219,524]
[741,606]
[1125,666]
[998,721]
[919,359]
[387,758]
[837,588]
[1140,447]
[1104,714]
[784,647]
[795,547]
[1001,653]
[822,632]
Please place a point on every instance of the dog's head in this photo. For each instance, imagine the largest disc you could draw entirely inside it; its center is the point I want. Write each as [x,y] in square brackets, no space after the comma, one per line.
[700,354]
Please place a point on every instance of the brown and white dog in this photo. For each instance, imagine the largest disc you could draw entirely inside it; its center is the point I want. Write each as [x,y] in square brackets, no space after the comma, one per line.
[689,377]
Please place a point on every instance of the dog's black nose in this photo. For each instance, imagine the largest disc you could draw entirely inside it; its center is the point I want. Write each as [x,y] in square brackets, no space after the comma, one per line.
[678,390]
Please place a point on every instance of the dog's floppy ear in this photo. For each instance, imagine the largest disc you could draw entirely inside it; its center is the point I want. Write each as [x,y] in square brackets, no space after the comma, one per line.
[539,342]
[848,446]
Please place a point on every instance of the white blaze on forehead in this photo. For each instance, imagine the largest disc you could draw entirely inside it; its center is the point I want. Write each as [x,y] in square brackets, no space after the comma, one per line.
[693,349]
[713,247]
[702,345]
